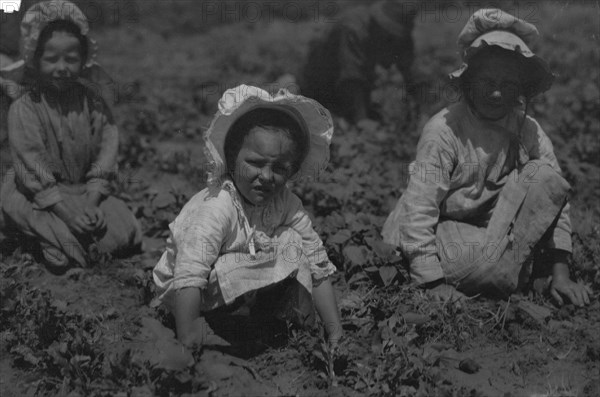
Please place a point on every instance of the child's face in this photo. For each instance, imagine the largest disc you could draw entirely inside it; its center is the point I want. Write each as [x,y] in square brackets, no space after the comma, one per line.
[60,63]
[496,86]
[263,165]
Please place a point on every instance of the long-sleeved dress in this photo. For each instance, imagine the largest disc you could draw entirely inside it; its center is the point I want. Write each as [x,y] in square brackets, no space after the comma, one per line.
[63,146]
[213,237]
[470,214]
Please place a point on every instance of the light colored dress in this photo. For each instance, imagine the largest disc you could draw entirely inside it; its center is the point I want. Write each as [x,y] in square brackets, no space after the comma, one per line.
[470,214]
[64,146]
[214,237]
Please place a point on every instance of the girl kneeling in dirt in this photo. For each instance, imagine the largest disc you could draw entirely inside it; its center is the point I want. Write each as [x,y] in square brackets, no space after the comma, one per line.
[485,192]
[64,146]
[245,244]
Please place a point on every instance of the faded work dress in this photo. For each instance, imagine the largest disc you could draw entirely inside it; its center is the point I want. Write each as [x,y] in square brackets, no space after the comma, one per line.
[63,146]
[230,249]
[479,200]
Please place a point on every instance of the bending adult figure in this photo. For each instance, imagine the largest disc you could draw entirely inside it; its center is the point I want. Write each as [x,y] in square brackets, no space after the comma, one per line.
[340,68]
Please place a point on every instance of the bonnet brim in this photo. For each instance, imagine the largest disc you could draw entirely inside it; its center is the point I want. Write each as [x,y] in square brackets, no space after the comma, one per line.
[493,27]
[237,101]
[40,15]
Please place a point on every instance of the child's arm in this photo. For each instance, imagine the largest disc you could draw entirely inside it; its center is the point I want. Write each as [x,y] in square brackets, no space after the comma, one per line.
[75,221]
[187,310]
[33,172]
[326,306]
[563,285]
[413,222]
[198,233]
[104,164]
[321,268]
[560,233]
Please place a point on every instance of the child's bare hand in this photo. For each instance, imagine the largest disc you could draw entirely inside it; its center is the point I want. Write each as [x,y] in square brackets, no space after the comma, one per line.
[79,224]
[95,218]
[194,334]
[334,335]
[446,292]
[577,293]
[189,339]
[200,334]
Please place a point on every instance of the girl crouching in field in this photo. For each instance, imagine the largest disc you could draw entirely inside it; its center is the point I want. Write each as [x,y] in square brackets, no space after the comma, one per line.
[64,147]
[485,192]
[246,241]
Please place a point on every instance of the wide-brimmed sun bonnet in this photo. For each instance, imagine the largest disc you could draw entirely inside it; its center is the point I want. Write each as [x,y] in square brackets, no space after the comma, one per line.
[314,119]
[494,27]
[40,15]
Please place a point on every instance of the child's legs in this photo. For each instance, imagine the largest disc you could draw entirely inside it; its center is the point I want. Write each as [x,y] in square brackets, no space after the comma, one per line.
[468,260]
[491,268]
[42,225]
[258,292]
[528,205]
[287,300]
[259,316]
[547,195]
[461,247]
[123,232]
[238,273]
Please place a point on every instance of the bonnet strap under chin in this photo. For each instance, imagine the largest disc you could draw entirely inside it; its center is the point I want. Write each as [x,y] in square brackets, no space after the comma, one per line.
[519,140]
[242,218]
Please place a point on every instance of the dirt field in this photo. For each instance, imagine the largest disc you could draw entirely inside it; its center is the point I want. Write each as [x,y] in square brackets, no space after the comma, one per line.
[91,332]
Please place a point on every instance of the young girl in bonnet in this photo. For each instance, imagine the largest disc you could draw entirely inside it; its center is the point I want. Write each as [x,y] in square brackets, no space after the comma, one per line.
[485,196]
[19,31]
[64,147]
[246,235]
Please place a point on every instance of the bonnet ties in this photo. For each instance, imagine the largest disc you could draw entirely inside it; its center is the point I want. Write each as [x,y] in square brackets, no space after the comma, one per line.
[243,219]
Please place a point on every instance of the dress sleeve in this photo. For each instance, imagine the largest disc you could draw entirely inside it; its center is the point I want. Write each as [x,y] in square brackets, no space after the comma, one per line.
[31,162]
[312,246]
[541,149]
[198,234]
[412,224]
[104,166]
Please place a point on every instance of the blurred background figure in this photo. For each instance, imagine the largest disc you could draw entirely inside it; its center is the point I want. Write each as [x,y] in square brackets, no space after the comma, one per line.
[340,69]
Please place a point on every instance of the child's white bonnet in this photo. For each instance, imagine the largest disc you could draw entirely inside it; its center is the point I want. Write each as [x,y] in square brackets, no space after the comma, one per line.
[494,27]
[235,102]
[41,14]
